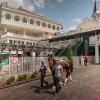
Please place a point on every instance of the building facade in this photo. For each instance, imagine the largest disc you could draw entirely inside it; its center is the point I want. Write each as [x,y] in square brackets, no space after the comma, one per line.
[19,26]
[84,39]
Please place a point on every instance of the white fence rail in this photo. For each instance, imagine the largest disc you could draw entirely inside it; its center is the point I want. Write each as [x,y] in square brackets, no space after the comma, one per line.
[24,65]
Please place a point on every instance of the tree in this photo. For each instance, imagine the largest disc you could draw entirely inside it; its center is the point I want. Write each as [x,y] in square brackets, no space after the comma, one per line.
[69,57]
[69,53]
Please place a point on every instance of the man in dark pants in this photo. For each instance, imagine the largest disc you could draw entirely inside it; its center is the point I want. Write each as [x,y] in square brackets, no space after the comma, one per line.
[58,76]
[43,70]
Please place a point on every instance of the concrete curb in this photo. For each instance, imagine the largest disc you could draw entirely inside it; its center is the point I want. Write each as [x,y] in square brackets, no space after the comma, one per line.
[28,80]
[20,82]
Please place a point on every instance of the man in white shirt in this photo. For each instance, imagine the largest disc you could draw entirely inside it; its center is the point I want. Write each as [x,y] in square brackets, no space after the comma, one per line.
[58,76]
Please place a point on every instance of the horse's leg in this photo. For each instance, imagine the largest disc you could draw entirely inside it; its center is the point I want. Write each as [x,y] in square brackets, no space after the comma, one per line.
[70,71]
[66,76]
[53,73]
[66,80]
[70,77]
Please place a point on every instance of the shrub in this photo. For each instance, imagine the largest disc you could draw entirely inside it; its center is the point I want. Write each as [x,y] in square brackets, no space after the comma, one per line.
[34,74]
[69,53]
[21,77]
[70,58]
[10,80]
[24,76]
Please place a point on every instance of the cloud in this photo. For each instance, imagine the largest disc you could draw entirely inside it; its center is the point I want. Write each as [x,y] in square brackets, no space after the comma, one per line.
[33,4]
[77,20]
[72,28]
[15,2]
[50,4]
[27,4]
[39,3]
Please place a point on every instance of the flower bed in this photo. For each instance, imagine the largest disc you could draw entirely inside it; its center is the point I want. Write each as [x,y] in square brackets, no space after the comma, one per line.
[22,78]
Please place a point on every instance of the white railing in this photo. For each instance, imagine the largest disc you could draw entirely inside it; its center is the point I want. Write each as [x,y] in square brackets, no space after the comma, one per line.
[25,65]
[54,44]
[12,35]
[94,39]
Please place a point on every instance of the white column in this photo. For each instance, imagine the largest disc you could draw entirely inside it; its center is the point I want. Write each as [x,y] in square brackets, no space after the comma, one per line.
[97,54]
[5,30]
[24,33]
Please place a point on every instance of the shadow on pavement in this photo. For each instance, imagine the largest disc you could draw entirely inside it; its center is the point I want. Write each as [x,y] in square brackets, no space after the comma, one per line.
[49,92]
[45,89]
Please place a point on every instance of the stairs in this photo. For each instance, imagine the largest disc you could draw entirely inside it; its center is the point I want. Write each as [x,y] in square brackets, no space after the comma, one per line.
[74,46]
[78,43]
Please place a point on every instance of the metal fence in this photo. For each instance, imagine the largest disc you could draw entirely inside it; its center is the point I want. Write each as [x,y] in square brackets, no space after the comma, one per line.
[25,65]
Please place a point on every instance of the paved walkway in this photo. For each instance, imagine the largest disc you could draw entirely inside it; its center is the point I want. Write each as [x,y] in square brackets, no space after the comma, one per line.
[85,86]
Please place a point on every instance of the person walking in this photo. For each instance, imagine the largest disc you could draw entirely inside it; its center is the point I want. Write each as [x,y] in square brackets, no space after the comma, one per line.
[42,71]
[58,76]
[85,60]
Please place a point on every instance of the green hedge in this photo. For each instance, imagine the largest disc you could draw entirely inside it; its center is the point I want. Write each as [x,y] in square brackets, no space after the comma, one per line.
[21,77]
[34,74]
[10,80]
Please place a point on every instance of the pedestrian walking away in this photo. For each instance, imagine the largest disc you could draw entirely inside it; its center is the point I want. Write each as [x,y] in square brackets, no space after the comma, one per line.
[42,71]
[85,60]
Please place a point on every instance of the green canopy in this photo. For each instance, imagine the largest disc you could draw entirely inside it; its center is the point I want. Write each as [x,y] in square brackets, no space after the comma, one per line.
[4,52]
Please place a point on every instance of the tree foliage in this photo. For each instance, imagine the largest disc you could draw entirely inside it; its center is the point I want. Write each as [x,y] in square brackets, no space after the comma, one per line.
[69,53]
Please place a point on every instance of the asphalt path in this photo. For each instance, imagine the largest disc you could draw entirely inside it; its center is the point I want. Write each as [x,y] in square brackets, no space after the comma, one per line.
[84,86]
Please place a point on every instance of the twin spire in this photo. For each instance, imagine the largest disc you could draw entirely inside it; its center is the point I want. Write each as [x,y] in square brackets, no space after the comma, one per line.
[95,7]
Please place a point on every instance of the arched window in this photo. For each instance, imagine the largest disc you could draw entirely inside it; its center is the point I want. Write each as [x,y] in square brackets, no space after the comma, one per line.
[57,28]
[38,23]
[44,24]
[53,27]
[8,16]
[31,21]
[16,18]
[24,20]
[49,26]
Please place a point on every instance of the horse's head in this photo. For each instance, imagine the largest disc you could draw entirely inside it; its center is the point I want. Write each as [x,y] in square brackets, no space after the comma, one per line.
[52,61]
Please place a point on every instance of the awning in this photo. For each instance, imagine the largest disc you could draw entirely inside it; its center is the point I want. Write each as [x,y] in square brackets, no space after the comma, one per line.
[20,52]
[13,52]
[4,52]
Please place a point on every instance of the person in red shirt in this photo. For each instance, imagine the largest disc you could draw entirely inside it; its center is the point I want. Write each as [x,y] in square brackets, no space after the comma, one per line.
[85,60]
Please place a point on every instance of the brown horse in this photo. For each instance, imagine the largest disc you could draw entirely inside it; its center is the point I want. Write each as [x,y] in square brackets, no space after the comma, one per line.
[68,67]
[66,64]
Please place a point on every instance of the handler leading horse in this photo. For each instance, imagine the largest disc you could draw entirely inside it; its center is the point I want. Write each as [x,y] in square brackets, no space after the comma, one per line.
[66,64]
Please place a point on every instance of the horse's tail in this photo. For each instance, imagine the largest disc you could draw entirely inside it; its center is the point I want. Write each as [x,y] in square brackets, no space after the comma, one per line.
[71,68]
[70,65]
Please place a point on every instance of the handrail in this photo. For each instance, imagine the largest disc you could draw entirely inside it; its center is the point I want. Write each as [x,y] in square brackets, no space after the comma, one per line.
[20,36]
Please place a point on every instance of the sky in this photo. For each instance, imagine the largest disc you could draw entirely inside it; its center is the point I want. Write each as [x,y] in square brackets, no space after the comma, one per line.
[68,12]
